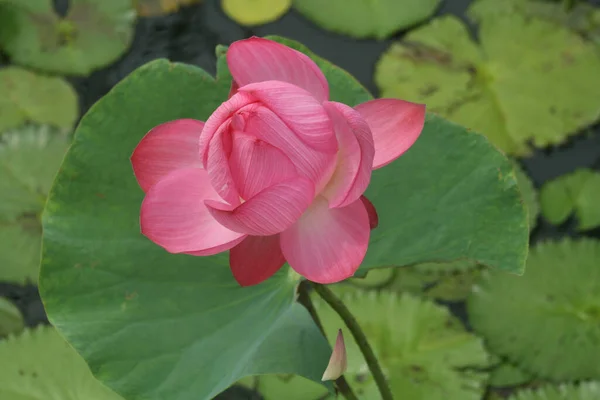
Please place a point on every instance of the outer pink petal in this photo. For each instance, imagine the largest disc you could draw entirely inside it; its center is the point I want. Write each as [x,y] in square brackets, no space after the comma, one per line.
[355,157]
[327,245]
[395,124]
[257,60]
[256,165]
[373,217]
[174,216]
[300,111]
[314,165]
[256,259]
[269,212]
[217,249]
[218,118]
[167,147]
[217,166]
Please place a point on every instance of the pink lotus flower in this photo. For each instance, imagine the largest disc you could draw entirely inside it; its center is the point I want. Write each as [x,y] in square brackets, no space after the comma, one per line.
[276,173]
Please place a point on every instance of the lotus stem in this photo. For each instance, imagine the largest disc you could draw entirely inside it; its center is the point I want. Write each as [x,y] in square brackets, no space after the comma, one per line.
[359,336]
[304,299]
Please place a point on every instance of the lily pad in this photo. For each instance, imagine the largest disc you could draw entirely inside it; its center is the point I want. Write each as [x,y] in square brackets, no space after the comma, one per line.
[583,391]
[425,352]
[577,192]
[11,320]
[29,160]
[360,18]
[288,387]
[93,34]
[25,96]
[556,306]
[43,366]
[529,195]
[528,80]
[152,8]
[506,374]
[255,12]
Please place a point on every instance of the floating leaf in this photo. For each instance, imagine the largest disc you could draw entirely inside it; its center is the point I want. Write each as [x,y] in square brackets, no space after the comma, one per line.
[360,18]
[556,306]
[530,80]
[583,391]
[42,99]
[424,351]
[152,8]
[578,191]
[11,320]
[29,160]
[43,366]
[529,195]
[93,34]
[506,374]
[288,387]
[255,12]
[96,261]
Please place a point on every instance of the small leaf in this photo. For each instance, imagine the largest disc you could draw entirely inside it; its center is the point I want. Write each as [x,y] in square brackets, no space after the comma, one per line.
[29,160]
[578,191]
[153,8]
[11,320]
[528,194]
[43,366]
[506,374]
[359,18]
[255,12]
[425,352]
[555,304]
[288,387]
[25,96]
[583,391]
[93,34]
[528,80]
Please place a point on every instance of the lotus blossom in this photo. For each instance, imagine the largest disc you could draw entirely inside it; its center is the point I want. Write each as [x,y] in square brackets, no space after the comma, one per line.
[276,174]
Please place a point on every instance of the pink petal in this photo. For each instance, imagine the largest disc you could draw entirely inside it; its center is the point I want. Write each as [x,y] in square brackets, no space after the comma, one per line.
[174,216]
[167,147]
[313,165]
[338,362]
[258,60]
[395,124]
[269,212]
[373,217]
[256,259]
[327,245]
[256,165]
[299,110]
[217,249]
[218,168]
[234,88]
[220,117]
[355,157]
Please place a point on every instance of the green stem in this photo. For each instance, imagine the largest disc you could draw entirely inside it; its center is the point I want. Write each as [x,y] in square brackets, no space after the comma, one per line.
[304,299]
[359,336]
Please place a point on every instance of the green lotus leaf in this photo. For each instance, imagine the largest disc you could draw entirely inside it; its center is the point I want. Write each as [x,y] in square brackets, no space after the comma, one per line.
[583,391]
[527,80]
[506,374]
[555,304]
[11,320]
[360,18]
[29,160]
[578,191]
[93,34]
[529,195]
[25,96]
[40,365]
[425,352]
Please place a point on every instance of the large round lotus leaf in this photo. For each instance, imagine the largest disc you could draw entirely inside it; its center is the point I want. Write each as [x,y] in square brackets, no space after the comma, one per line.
[555,305]
[27,96]
[366,18]
[96,262]
[425,352]
[578,191]
[93,34]
[29,160]
[528,80]
[11,320]
[255,12]
[151,8]
[40,365]
[583,391]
